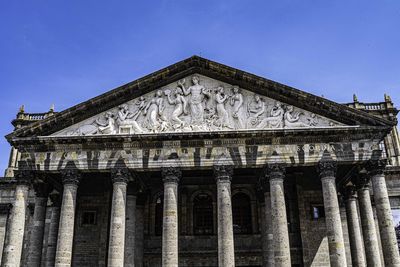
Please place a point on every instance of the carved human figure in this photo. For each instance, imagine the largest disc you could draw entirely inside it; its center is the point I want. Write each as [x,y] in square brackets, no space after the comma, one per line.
[255,109]
[236,101]
[180,107]
[313,120]
[154,109]
[220,99]
[197,92]
[108,126]
[127,118]
[292,118]
[275,120]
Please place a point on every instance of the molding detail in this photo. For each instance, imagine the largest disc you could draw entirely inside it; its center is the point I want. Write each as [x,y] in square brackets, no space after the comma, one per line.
[120,175]
[275,171]
[171,174]
[376,166]
[223,172]
[327,168]
[70,176]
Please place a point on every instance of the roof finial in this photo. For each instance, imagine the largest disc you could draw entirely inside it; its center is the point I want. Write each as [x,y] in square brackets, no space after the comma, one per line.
[355,98]
[51,108]
[21,109]
[388,98]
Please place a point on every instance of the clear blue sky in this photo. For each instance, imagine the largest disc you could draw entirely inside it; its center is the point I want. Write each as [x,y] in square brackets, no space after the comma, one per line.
[65,52]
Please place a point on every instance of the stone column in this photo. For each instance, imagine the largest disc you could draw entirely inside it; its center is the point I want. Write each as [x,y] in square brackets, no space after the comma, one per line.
[116,246]
[13,248]
[39,217]
[53,229]
[171,176]
[130,231]
[276,175]
[139,236]
[70,179]
[390,249]
[370,237]
[353,222]
[226,251]
[269,246]
[337,256]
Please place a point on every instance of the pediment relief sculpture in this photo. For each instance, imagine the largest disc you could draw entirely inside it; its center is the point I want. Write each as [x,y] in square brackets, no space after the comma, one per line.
[198,104]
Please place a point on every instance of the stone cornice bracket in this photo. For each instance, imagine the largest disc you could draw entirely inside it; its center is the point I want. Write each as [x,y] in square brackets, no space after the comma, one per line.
[171,174]
[70,176]
[223,172]
[327,168]
[275,171]
[121,175]
[376,166]
[55,198]
[24,177]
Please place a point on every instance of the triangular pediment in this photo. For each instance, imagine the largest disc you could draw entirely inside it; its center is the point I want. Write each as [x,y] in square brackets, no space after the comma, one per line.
[198,103]
[161,103]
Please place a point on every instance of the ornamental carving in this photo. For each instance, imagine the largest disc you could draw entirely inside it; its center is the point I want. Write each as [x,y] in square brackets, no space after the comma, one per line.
[195,104]
[275,171]
[376,166]
[24,176]
[223,172]
[327,168]
[171,174]
[70,176]
[120,175]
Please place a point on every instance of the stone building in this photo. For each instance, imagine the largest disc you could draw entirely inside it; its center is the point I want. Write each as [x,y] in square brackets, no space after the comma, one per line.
[201,164]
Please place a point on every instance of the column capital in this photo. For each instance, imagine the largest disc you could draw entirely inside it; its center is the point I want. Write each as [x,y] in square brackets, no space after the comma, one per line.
[376,166]
[275,171]
[362,180]
[171,174]
[41,188]
[327,168]
[349,192]
[223,172]
[121,175]
[55,199]
[70,176]
[24,177]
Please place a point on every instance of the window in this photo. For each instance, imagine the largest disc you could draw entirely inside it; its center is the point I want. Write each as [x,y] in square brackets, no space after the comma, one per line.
[88,218]
[203,215]
[317,212]
[159,216]
[241,209]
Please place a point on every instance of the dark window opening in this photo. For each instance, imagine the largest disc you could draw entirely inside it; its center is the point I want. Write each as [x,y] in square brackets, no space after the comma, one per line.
[159,216]
[241,209]
[89,218]
[203,215]
[317,212]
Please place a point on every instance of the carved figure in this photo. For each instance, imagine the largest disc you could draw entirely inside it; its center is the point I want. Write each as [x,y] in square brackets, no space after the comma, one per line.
[155,119]
[223,119]
[255,109]
[313,120]
[237,103]
[292,118]
[276,119]
[127,118]
[197,93]
[180,107]
[108,126]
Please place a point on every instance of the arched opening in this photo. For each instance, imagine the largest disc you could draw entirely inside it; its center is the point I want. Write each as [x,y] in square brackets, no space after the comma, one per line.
[241,209]
[203,215]
[159,215]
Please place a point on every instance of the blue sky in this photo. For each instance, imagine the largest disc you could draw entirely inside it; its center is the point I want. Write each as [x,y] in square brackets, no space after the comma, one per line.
[65,52]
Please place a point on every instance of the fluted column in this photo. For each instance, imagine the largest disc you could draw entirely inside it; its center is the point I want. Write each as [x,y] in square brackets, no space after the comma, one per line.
[276,175]
[353,222]
[70,179]
[116,246]
[337,256]
[130,232]
[369,230]
[13,248]
[39,216]
[226,252]
[53,229]
[171,177]
[384,213]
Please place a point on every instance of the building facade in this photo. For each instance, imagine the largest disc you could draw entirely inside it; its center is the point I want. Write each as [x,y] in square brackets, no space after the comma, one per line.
[201,164]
